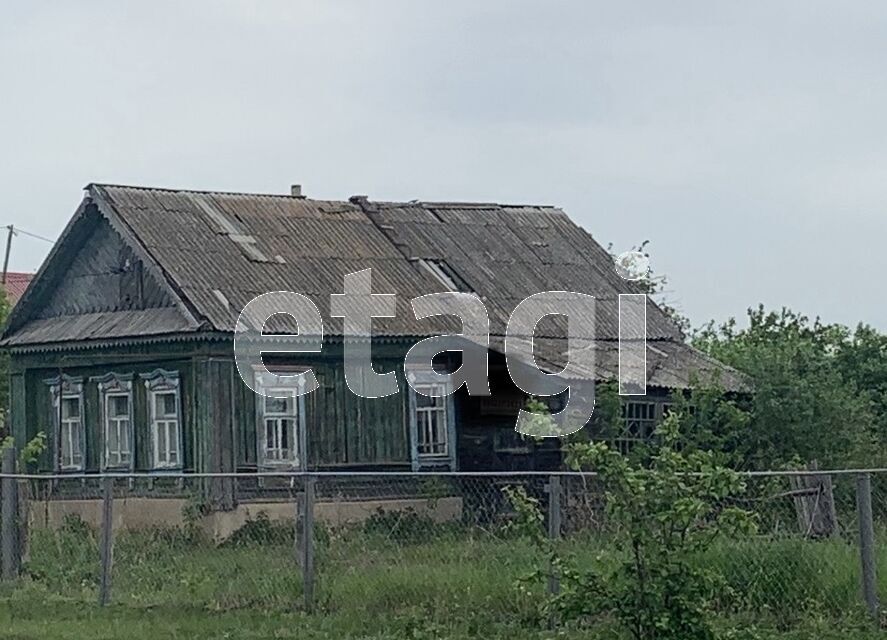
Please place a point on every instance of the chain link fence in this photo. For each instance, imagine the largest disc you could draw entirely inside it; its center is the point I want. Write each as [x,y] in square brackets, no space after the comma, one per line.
[442,544]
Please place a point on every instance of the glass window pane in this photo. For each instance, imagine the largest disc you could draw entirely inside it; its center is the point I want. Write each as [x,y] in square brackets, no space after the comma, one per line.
[75,441]
[423,400]
[67,445]
[161,442]
[276,405]
[173,440]
[113,442]
[422,428]
[124,435]
[70,408]
[118,406]
[165,404]
[286,428]
[169,404]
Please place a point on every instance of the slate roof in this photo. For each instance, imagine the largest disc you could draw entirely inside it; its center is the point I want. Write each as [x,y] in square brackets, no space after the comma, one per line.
[218,251]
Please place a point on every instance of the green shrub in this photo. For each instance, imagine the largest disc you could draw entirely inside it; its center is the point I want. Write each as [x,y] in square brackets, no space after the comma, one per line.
[663,515]
[261,531]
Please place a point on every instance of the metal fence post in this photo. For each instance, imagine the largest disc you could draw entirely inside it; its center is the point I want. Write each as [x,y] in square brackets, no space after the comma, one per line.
[867,542]
[106,540]
[308,543]
[298,528]
[554,526]
[9,535]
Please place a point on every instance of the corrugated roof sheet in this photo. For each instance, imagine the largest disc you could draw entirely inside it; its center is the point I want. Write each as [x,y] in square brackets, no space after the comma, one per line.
[95,326]
[217,247]
[503,253]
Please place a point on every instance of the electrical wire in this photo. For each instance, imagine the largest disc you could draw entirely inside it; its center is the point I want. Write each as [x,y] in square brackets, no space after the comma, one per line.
[28,233]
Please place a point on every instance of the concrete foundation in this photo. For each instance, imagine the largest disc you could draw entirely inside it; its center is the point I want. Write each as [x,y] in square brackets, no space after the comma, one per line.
[141,513]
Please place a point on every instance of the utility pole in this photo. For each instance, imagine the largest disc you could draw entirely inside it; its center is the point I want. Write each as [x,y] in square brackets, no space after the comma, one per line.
[8,249]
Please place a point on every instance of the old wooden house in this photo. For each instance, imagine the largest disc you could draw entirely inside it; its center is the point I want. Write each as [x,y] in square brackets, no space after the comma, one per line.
[121,348]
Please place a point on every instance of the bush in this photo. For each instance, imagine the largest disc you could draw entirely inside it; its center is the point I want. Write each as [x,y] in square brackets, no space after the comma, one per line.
[261,531]
[664,515]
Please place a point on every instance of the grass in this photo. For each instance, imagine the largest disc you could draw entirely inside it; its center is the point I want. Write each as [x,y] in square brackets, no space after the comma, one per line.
[382,580]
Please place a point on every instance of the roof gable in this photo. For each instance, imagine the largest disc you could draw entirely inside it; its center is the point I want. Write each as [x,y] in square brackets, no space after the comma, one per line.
[95,283]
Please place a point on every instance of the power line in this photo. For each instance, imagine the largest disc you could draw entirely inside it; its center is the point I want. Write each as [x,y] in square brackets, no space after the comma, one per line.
[12,232]
[28,233]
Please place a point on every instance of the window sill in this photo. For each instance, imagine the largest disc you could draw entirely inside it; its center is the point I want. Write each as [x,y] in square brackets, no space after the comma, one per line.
[280,464]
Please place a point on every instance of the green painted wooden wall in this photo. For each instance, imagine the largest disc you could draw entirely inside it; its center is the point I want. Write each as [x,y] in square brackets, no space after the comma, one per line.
[219,410]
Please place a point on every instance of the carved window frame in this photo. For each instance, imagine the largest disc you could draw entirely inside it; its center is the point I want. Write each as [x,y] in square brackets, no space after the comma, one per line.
[163,382]
[297,435]
[61,389]
[110,386]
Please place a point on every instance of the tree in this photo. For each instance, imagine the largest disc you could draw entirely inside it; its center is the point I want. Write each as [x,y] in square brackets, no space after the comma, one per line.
[653,284]
[805,405]
[662,514]
[862,358]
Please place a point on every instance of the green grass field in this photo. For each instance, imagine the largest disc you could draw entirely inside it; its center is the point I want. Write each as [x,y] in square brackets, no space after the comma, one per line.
[440,582]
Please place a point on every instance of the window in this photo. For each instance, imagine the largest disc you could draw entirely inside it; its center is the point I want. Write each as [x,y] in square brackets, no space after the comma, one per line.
[640,422]
[118,448]
[68,418]
[164,419]
[279,418]
[116,395]
[280,415]
[431,420]
[71,433]
[165,428]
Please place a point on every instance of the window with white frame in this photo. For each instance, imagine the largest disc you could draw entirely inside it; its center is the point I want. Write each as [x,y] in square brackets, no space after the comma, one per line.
[67,408]
[432,434]
[118,445]
[164,419]
[117,435]
[71,433]
[279,420]
[165,428]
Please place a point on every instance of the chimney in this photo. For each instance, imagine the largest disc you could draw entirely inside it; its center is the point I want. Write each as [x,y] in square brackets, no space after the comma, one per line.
[296,191]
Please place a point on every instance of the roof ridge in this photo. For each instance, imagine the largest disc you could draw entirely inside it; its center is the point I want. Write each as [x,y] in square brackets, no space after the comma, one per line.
[480,205]
[430,204]
[135,187]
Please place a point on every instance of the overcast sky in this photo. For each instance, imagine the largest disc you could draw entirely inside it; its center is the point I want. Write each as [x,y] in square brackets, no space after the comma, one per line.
[747,142]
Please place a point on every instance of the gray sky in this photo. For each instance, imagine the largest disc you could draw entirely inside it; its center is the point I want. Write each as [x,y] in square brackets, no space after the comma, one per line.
[747,142]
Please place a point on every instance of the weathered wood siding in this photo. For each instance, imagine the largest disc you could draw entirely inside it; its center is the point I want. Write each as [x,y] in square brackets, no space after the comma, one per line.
[342,429]
[218,410]
[33,410]
[104,275]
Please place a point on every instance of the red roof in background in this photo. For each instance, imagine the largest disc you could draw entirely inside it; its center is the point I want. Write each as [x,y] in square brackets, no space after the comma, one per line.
[15,286]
